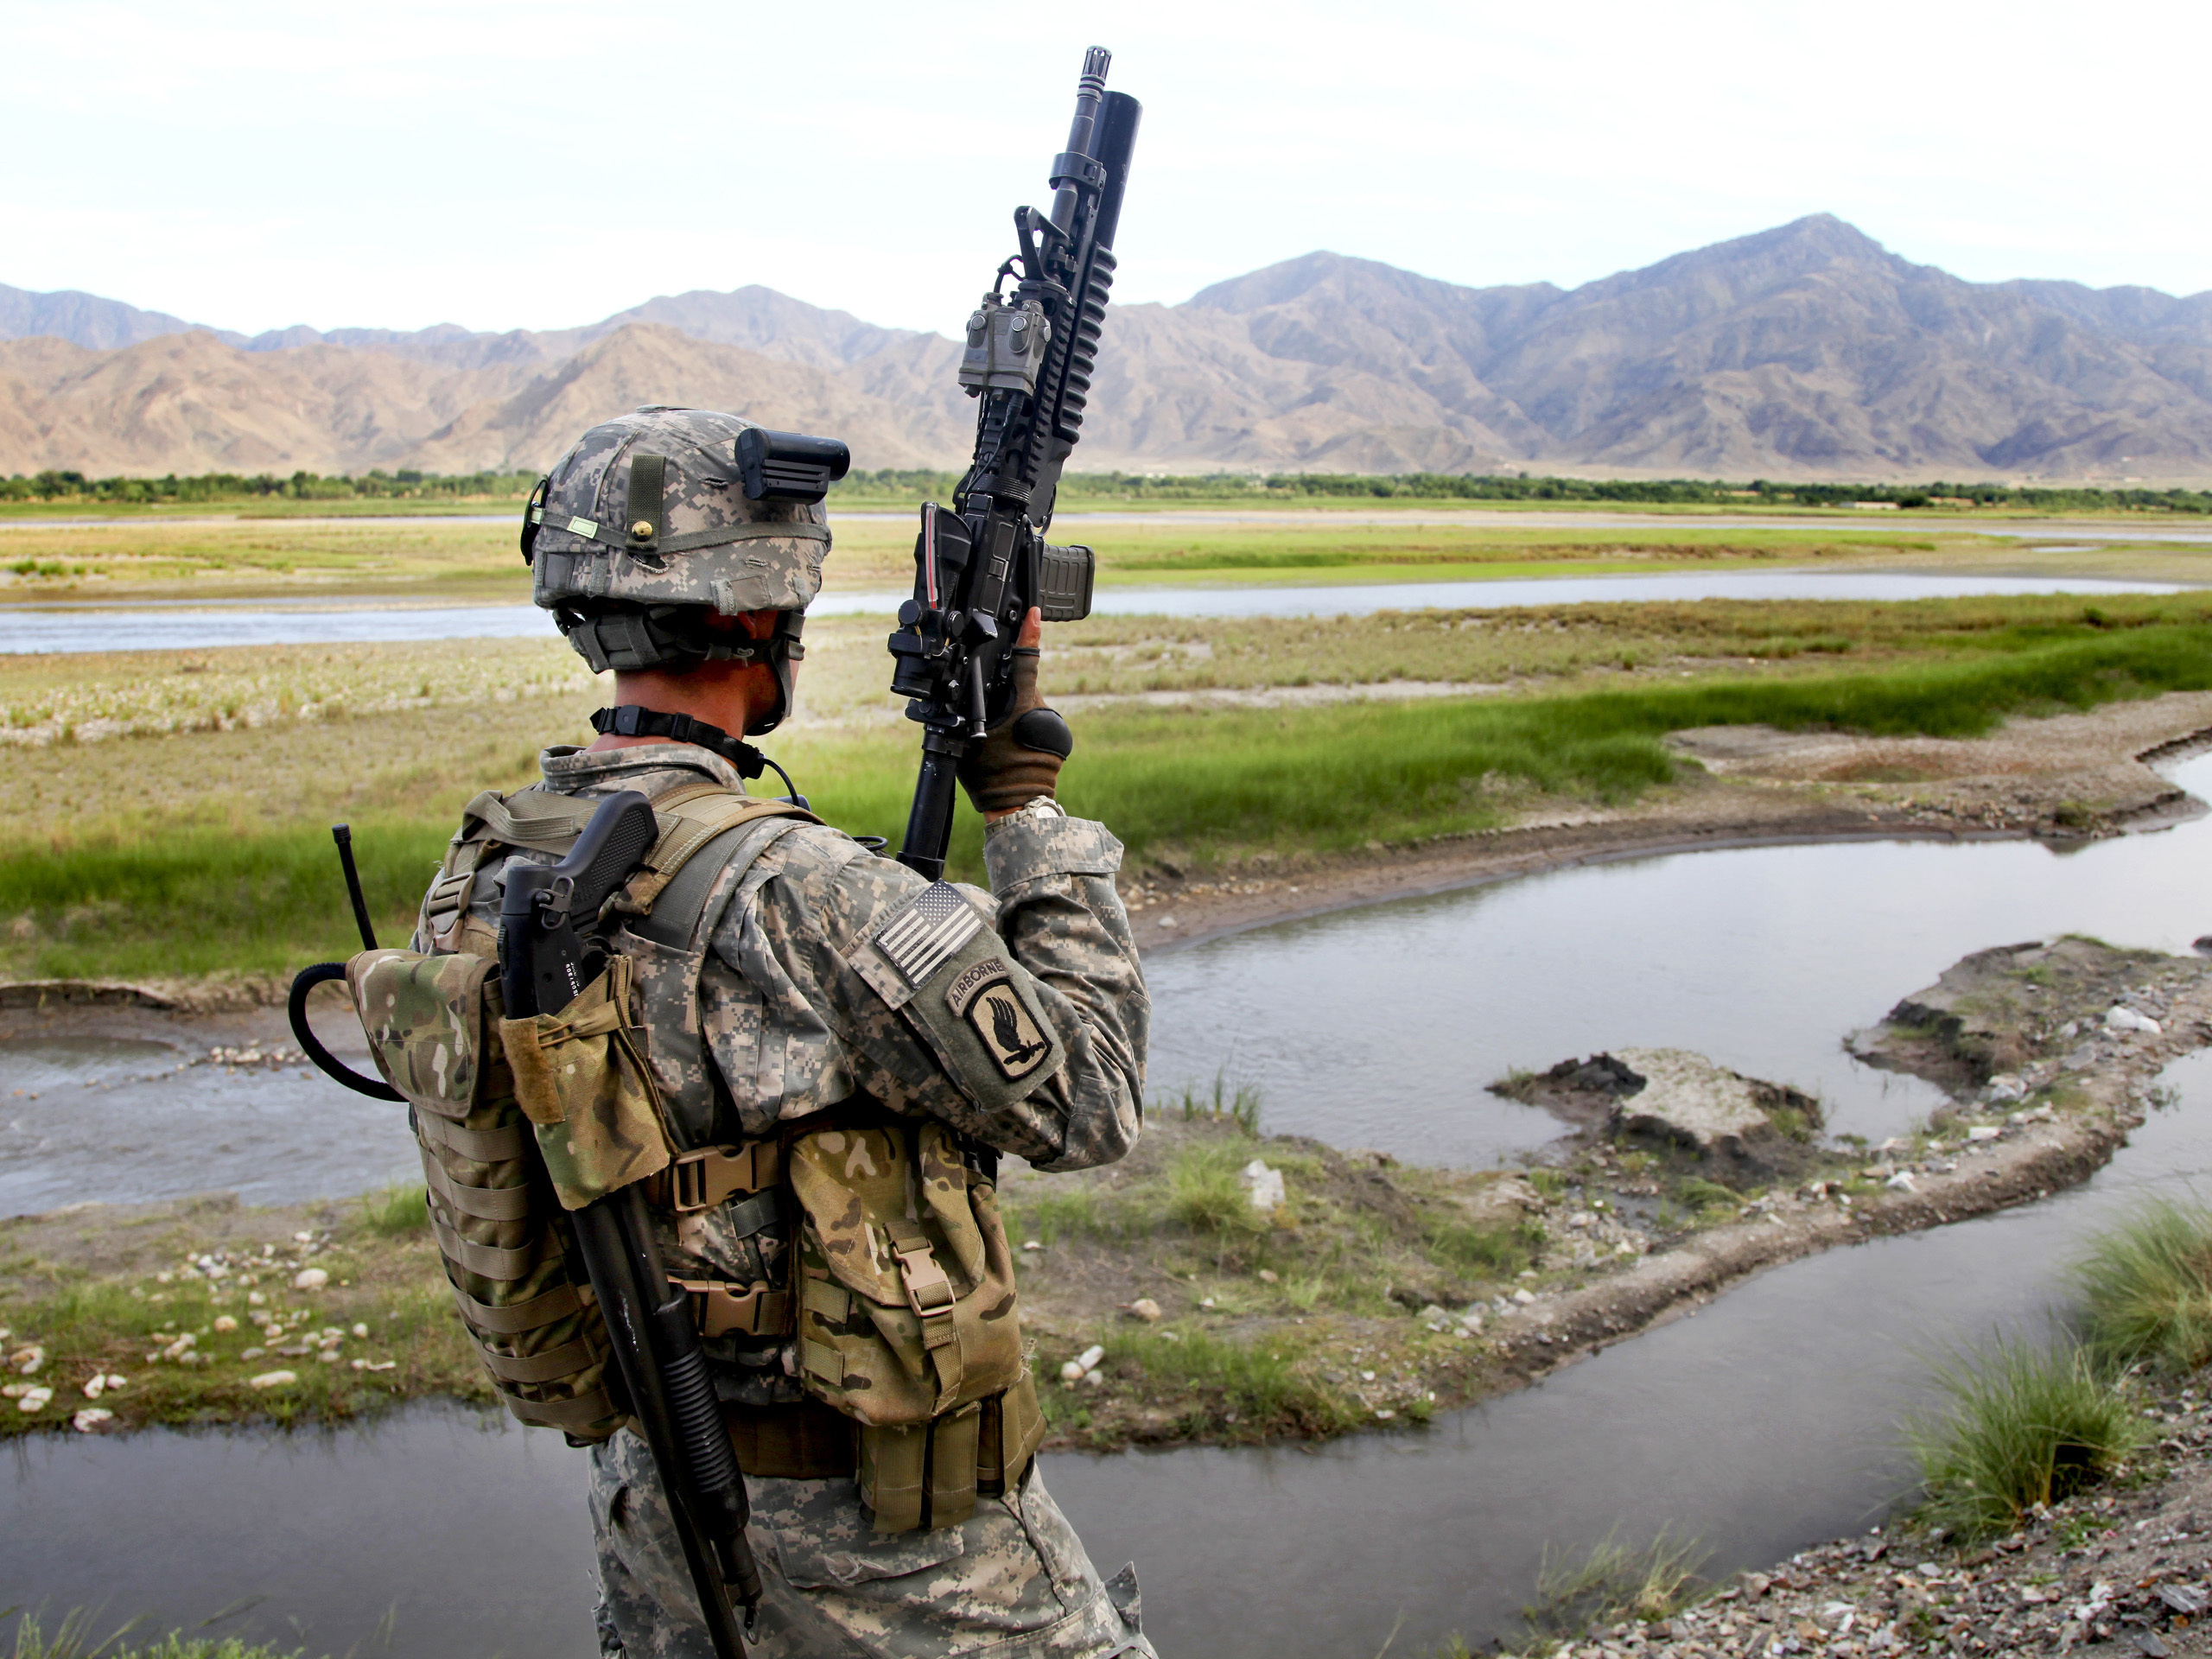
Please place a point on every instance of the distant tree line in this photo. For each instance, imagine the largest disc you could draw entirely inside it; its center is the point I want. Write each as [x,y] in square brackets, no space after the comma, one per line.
[919,485]
[378,484]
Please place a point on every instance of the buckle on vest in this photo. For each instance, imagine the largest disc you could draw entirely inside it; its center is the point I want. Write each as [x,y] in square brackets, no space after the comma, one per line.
[711,1175]
[721,1310]
[928,1292]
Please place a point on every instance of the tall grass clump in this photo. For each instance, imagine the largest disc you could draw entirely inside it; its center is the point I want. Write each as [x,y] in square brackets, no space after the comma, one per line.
[1224,1104]
[1613,1581]
[1206,1190]
[2021,1425]
[2145,1288]
[393,1211]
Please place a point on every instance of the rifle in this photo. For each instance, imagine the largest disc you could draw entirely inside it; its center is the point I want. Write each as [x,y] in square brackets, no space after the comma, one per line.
[547,955]
[980,566]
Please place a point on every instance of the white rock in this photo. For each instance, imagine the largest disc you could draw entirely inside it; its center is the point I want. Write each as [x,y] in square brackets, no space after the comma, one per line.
[1385,1415]
[91,1418]
[1265,1184]
[2004,1088]
[1984,1132]
[1089,1358]
[310,1279]
[1032,1243]
[1901,1181]
[226,1324]
[14,1390]
[1522,1297]
[255,1353]
[328,1354]
[2121,1017]
[273,1380]
[1095,1379]
[360,1330]
[1071,1372]
[34,1399]
[302,1238]
[95,1388]
[115,1382]
[255,1299]
[1145,1309]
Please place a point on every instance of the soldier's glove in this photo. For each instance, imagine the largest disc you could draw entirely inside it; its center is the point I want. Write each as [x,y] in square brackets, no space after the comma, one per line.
[1019,760]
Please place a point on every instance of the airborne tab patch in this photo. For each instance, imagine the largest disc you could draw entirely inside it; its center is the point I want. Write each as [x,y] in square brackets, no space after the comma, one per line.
[984,996]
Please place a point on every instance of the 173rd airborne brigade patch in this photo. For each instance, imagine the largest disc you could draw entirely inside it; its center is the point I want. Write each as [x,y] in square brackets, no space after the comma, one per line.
[934,958]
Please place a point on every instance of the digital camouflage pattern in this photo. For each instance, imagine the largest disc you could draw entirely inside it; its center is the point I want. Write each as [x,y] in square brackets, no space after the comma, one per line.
[765,1020]
[1011,1581]
[701,493]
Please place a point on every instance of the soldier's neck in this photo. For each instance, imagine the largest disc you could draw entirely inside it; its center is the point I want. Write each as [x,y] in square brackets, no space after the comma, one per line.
[717,693]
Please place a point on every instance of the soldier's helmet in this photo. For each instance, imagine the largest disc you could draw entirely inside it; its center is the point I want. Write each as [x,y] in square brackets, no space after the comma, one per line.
[641,538]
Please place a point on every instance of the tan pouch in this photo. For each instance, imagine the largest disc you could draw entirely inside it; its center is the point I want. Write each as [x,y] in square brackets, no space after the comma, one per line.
[581,1080]
[906,1299]
[916,1475]
[432,1024]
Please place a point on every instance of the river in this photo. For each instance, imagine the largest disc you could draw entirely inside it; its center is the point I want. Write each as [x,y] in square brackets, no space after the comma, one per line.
[67,626]
[1762,1423]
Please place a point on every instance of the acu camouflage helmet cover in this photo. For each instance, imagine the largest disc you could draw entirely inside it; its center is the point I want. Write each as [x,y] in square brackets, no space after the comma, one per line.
[647,516]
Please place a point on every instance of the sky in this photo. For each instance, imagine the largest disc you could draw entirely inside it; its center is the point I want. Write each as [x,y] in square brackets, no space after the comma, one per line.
[501,164]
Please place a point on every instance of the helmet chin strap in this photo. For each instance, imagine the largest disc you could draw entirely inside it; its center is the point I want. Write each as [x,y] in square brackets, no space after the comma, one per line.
[630,720]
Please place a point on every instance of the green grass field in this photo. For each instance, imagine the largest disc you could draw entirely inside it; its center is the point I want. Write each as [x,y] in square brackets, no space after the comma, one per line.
[208,850]
[315,555]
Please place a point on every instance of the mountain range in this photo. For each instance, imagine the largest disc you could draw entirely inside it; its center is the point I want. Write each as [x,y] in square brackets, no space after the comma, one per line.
[1806,351]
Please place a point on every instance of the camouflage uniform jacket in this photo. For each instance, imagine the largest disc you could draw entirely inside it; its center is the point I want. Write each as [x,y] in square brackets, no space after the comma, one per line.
[791,1005]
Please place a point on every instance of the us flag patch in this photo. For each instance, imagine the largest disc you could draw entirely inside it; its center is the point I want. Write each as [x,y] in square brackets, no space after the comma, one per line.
[919,939]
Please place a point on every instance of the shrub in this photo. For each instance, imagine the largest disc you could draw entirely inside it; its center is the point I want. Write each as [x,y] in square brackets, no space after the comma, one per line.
[2145,1288]
[2022,1426]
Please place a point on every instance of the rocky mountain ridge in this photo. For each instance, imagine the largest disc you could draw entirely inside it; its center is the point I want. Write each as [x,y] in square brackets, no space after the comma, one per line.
[1804,350]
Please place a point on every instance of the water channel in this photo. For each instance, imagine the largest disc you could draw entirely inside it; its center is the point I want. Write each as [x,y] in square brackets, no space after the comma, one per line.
[1378,1027]
[1764,1422]
[204,624]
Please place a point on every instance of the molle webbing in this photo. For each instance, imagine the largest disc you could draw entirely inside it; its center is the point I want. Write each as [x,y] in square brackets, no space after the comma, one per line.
[689,817]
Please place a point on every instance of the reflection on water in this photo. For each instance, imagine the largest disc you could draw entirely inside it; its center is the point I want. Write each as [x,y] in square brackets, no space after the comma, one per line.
[1380,1027]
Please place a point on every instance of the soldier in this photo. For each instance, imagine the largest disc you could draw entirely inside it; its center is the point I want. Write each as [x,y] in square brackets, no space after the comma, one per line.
[822,983]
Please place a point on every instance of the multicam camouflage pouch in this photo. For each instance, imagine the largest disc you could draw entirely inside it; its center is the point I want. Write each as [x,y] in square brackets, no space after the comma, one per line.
[433,1024]
[907,1319]
[582,1082]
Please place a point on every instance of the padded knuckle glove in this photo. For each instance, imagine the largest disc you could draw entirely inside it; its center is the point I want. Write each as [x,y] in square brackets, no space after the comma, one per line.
[1019,758]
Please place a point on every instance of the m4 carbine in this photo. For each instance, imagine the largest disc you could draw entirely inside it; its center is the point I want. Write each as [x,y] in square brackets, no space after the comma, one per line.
[981,565]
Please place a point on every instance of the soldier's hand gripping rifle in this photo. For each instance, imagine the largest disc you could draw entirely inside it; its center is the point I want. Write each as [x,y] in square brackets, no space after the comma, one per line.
[982,564]
[547,955]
